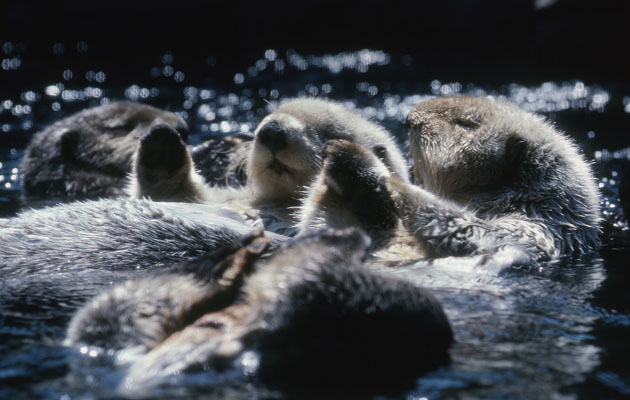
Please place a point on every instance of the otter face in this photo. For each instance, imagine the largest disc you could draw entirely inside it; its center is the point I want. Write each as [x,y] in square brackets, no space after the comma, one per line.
[107,135]
[285,157]
[458,147]
[89,154]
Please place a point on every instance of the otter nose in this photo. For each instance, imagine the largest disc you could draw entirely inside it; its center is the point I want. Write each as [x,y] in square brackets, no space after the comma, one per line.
[274,140]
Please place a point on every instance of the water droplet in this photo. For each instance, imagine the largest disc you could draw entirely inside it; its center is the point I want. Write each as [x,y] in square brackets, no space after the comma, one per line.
[82,47]
[58,49]
[8,48]
[270,55]
[52,90]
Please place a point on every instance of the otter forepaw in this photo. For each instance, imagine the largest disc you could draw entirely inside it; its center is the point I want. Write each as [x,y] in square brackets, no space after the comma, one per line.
[162,150]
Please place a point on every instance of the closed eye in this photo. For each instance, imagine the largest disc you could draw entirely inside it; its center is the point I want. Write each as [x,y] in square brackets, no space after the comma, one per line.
[468,123]
[119,130]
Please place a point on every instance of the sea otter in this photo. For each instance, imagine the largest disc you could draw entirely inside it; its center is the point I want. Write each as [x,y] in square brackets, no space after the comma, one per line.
[281,162]
[489,176]
[286,152]
[312,313]
[89,154]
[125,233]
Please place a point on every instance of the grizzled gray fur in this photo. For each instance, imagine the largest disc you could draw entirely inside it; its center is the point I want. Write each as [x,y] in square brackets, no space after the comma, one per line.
[113,234]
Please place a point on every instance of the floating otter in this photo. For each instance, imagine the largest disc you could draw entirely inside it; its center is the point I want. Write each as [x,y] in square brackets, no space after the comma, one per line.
[125,233]
[89,154]
[286,152]
[310,313]
[493,176]
[281,162]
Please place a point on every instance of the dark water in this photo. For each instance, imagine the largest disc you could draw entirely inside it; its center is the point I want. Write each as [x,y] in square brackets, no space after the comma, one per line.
[557,332]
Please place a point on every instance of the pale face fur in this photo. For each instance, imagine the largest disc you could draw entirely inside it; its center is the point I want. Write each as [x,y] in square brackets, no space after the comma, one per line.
[458,147]
[286,153]
[279,175]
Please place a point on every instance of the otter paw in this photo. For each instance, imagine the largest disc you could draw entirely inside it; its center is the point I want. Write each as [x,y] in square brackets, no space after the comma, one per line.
[162,150]
[355,177]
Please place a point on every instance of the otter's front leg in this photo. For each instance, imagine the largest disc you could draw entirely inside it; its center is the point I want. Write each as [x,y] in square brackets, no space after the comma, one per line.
[445,228]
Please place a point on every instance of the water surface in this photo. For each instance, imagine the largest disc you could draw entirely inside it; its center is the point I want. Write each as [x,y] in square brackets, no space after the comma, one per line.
[559,331]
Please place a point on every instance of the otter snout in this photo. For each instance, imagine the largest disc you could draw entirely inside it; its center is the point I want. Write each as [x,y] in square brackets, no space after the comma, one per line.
[273,137]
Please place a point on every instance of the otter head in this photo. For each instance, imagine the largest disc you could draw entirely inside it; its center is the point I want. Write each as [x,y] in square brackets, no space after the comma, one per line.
[461,148]
[106,136]
[285,157]
[286,152]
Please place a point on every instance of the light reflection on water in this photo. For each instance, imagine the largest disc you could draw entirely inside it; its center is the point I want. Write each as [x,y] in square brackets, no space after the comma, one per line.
[519,333]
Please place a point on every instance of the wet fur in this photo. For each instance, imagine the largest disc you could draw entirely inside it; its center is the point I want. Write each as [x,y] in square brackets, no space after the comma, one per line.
[114,234]
[307,125]
[311,303]
[350,192]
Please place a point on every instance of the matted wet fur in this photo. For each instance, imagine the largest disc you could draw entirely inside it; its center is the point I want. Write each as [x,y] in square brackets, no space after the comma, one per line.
[114,234]
[350,191]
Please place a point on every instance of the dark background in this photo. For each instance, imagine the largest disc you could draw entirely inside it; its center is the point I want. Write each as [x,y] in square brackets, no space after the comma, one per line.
[452,39]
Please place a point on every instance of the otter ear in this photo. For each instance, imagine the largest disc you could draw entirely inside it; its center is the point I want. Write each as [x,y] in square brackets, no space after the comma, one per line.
[70,144]
[515,149]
